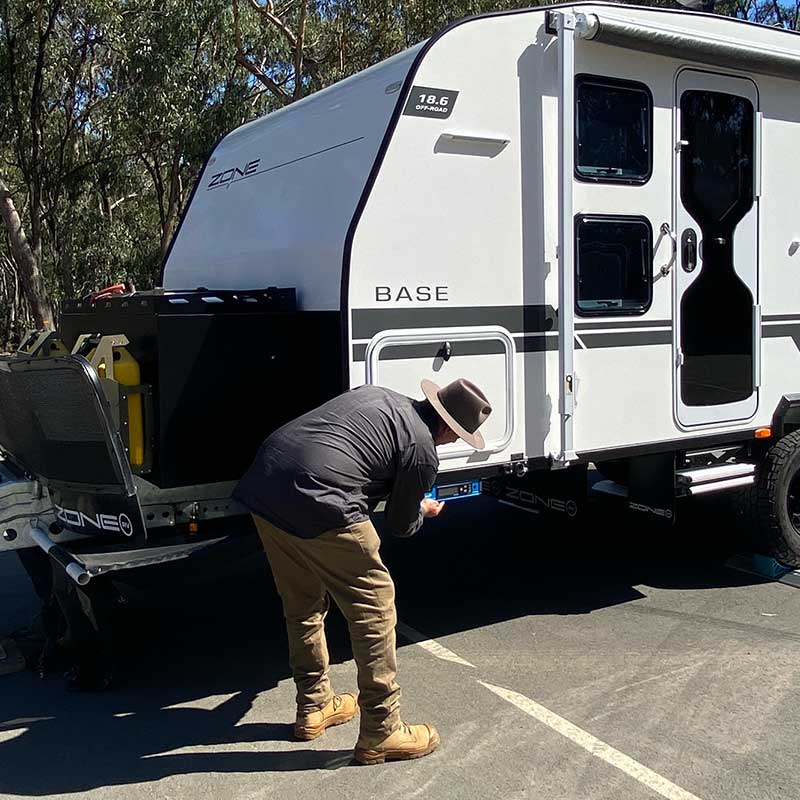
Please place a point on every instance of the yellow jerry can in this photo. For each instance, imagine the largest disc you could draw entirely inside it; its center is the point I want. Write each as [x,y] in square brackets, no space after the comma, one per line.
[126,371]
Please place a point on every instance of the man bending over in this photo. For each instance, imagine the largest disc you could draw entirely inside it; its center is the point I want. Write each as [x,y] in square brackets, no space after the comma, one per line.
[311,489]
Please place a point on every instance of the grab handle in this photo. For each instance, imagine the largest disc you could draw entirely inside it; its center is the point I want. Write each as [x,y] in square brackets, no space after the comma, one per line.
[667,231]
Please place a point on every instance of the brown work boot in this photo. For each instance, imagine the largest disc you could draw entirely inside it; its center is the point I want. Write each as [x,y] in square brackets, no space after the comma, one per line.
[340,709]
[407,742]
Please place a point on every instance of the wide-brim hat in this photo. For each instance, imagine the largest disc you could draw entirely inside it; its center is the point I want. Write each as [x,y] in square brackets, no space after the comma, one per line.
[462,405]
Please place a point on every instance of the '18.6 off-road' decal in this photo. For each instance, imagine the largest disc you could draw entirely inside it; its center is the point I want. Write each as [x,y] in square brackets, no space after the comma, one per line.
[425,101]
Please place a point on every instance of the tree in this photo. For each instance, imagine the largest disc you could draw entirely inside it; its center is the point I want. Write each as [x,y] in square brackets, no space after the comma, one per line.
[108,109]
[26,273]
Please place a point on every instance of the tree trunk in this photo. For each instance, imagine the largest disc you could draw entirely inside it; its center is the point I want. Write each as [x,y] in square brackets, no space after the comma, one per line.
[173,204]
[26,262]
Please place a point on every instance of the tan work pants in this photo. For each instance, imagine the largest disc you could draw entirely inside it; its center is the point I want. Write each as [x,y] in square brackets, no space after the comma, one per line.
[344,563]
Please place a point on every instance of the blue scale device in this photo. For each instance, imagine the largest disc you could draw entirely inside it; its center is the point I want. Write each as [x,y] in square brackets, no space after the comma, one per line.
[454,491]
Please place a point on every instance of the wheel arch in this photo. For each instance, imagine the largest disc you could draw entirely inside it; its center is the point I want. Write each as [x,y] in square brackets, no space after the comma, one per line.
[787,416]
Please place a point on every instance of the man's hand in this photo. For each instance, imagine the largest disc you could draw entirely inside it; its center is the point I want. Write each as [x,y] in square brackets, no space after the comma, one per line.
[431,508]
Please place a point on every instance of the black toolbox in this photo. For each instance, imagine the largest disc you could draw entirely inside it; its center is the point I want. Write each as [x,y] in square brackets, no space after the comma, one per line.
[226,368]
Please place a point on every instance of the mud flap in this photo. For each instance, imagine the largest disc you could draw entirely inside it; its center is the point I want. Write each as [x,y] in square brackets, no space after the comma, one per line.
[651,488]
[560,493]
[56,423]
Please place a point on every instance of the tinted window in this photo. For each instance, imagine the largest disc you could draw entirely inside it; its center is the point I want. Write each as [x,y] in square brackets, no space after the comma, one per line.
[613,130]
[717,167]
[613,265]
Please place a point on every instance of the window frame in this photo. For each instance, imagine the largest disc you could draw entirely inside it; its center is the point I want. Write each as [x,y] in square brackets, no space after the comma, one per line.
[615,219]
[603,80]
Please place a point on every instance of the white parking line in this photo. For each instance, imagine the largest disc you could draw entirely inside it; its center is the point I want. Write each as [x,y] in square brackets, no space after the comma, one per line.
[13,733]
[652,780]
[431,645]
[210,703]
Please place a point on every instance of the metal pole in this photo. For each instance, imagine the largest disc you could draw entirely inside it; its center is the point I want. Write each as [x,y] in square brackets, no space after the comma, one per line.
[73,568]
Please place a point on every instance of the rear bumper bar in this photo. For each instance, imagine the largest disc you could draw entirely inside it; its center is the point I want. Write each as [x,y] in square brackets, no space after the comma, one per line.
[74,568]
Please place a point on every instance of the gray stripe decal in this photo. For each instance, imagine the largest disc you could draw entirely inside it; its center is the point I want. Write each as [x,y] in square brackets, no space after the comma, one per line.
[781,318]
[624,339]
[779,331]
[588,340]
[516,319]
[526,344]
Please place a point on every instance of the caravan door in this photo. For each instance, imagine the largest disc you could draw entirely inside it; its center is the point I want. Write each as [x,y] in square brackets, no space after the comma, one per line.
[715,310]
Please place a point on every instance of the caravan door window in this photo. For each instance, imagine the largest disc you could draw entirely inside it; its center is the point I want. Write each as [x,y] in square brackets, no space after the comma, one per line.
[613,130]
[613,265]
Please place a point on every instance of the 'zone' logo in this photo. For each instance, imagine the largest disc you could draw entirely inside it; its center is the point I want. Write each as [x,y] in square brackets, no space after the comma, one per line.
[231,175]
[659,512]
[100,522]
[568,507]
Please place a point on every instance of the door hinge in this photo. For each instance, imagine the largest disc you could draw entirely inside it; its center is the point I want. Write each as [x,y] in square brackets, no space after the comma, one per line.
[679,359]
[756,346]
[681,145]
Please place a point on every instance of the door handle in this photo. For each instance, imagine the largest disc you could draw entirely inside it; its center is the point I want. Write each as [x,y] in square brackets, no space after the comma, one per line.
[689,250]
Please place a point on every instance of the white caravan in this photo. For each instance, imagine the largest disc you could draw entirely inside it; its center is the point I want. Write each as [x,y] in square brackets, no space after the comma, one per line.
[590,210]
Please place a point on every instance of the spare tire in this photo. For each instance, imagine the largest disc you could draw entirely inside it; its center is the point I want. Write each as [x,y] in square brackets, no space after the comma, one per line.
[771,507]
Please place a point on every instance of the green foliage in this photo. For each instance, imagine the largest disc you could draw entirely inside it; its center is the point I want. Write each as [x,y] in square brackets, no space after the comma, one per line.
[108,108]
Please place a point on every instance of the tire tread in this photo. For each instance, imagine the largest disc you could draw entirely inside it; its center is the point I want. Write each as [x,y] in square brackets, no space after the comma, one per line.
[758,505]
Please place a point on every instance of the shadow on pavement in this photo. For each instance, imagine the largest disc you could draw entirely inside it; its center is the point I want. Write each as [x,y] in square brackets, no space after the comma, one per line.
[478,564]
[192,642]
[85,746]
[487,563]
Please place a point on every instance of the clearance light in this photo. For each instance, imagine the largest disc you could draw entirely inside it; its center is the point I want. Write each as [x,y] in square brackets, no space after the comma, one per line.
[763,433]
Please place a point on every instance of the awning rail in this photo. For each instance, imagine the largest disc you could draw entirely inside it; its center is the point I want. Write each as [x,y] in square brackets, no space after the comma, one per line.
[679,43]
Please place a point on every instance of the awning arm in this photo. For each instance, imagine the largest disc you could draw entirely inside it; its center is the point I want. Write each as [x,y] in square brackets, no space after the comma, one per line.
[566,29]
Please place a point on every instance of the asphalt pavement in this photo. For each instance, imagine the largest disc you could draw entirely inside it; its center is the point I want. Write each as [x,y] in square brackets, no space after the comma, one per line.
[587,661]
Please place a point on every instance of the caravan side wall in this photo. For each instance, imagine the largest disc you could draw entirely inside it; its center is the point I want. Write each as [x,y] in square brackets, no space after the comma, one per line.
[457,242]
[456,234]
[452,269]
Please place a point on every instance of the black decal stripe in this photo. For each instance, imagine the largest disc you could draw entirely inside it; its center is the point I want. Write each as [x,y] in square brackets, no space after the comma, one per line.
[622,323]
[780,318]
[517,319]
[525,344]
[367,322]
[632,339]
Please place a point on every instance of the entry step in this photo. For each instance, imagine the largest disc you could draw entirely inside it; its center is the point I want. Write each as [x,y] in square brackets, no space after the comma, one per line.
[718,473]
[703,480]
